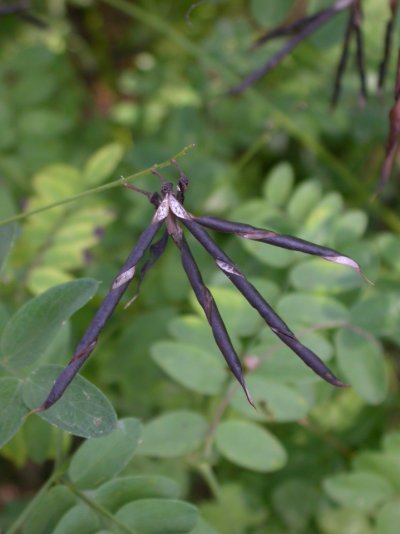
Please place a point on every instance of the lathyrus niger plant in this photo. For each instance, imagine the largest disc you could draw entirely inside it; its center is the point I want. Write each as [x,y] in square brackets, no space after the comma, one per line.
[170,443]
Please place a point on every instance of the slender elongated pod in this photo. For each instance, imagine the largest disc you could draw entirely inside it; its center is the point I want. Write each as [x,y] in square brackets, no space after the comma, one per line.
[277,325]
[88,342]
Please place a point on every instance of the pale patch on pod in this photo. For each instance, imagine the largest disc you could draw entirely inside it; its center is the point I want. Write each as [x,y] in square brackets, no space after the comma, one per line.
[343,260]
[228,267]
[257,234]
[124,277]
[177,208]
[162,211]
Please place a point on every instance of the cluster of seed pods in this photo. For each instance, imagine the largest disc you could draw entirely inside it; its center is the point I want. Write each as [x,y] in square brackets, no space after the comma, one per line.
[171,213]
[301,28]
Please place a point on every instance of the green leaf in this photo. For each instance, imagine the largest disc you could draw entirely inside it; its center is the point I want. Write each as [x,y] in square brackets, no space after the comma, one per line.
[378,313]
[67,232]
[8,234]
[324,277]
[337,411]
[4,317]
[318,343]
[81,518]
[102,164]
[43,123]
[345,521]
[83,410]
[349,227]
[330,34]
[274,401]
[388,518]
[270,13]
[251,446]
[119,491]
[315,340]
[391,442]
[202,527]
[43,441]
[268,254]
[173,434]
[361,362]
[59,349]
[190,366]
[193,330]
[281,363]
[233,496]
[30,331]
[238,316]
[389,249]
[12,408]
[305,197]
[45,277]
[318,226]
[49,510]
[279,183]
[98,460]
[159,516]
[364,491]
[303,309]
[296,512]
[15,450]
[384,464]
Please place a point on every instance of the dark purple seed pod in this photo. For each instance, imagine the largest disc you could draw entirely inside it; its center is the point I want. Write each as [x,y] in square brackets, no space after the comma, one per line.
[277,325]
[279,240]
[89,339]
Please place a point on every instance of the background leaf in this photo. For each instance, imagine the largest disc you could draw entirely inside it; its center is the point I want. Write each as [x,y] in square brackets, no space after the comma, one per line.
[12,408]
[190,366]
[120,491]
[159,516]
[348,520]
[300,308]
[29,332]
[322,276]
[59,240]
[173,434]
[79,518]
[359,490]
[55,503]
[275,402]
[279,183]
[361,362]
[99,460]
[270,13]
[83,410]
[388,518]
[102,164]
[7,236]
[251,446]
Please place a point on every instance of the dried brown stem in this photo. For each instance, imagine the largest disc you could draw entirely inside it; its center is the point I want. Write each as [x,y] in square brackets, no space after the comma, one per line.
[312,24]
[388,41]
[393,135]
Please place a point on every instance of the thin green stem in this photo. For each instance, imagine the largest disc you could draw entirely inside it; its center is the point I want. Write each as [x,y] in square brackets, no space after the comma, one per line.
[16,526]
[252,150]
[95,190]
[97,507]
[208,474]
[348,179]
[219,413]
[206,471]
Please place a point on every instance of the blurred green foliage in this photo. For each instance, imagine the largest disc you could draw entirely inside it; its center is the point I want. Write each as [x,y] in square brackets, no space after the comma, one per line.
[108,89]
